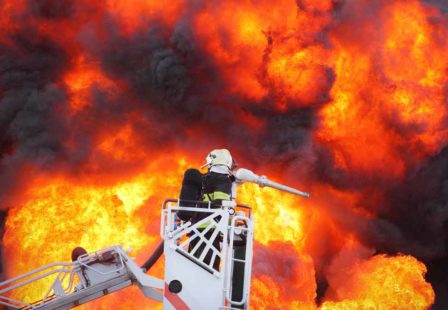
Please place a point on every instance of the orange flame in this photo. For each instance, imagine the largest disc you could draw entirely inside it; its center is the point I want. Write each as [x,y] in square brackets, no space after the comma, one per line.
[392,282]
[62,214]
[80,81]
[398,78]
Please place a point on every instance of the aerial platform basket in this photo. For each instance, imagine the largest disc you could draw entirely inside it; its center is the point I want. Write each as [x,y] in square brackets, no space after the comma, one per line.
[208,263]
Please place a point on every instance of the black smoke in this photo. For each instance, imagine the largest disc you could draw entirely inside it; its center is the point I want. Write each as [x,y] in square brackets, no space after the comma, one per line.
[420,211]
[32,126]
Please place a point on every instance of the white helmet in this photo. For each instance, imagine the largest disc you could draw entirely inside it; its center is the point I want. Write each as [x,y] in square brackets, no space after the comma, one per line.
[219,157]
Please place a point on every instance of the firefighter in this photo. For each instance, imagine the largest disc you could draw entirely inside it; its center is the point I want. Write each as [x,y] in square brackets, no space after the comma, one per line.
[216,187]
[217,183]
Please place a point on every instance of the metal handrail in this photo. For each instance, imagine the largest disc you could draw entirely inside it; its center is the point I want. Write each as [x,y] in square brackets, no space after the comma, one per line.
[25,304]
[208,203]
[34,279]
[25,275]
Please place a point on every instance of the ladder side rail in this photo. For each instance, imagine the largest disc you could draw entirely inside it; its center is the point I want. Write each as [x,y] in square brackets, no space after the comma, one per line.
[33,279]
[248,265]
[63,271]
[25,275]
[228,288]
[248,257]
[9,305]
[226,251]
[44,299]
[23,304]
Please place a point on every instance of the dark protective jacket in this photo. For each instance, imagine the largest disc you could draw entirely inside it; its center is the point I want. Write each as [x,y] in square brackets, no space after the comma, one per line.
[216,187]
[212,186]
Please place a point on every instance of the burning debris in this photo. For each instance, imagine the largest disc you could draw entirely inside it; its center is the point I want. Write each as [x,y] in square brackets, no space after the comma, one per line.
[104,105]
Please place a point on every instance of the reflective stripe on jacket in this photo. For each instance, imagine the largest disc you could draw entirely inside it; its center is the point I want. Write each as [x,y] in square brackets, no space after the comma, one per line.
[216,188]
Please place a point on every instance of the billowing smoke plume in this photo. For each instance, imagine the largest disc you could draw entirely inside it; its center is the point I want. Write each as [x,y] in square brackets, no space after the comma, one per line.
[31,106]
